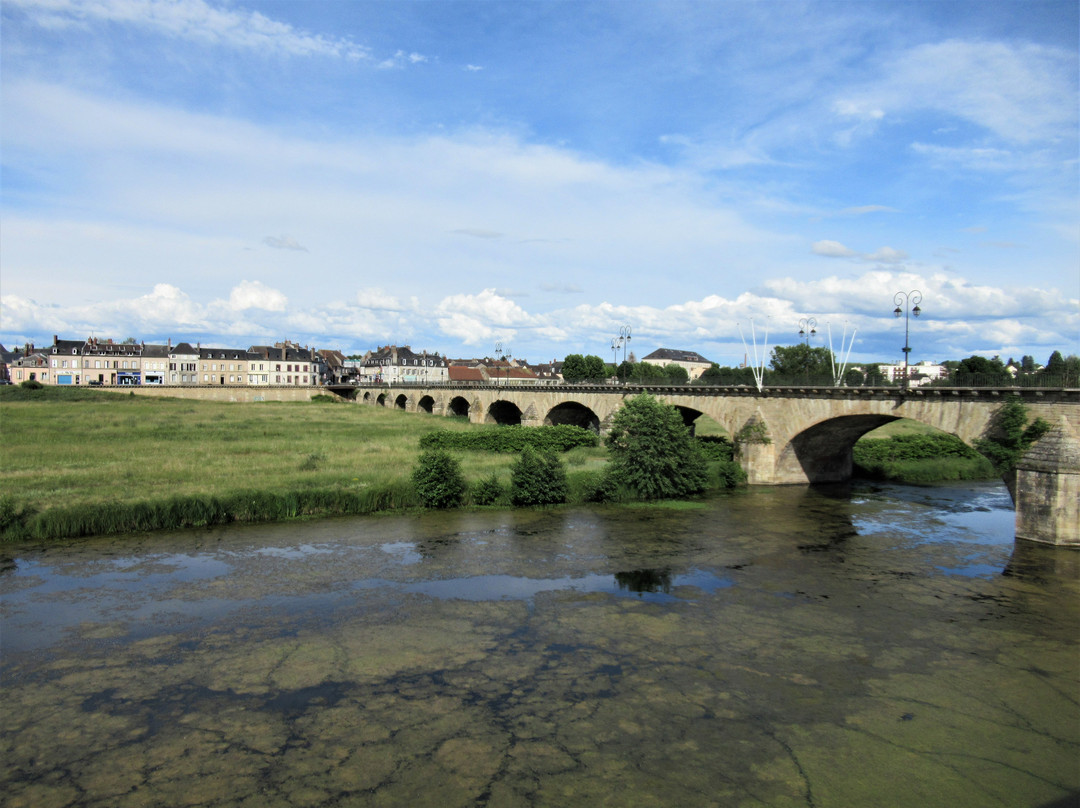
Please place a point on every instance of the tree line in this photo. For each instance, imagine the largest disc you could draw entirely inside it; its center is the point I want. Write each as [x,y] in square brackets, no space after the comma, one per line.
[802,364]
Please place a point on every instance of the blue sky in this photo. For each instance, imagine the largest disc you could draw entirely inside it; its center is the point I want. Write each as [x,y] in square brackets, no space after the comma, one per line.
[450,175]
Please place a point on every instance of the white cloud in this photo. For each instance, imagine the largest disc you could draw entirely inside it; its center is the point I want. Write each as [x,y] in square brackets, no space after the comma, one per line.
[831,249]
[376,298]
[401,59]
[1020,92]
[886,255]
[255,295]
[194,20]
[284,243]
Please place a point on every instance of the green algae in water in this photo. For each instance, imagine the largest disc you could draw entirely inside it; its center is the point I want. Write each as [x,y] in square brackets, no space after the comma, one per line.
[782,647]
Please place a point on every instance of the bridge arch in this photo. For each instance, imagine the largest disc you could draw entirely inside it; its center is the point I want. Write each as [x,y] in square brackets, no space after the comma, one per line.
[504,413]
[822,453]
[571,412]
[401,402]
[381,400]
[459,407]
[426,404]
[689,415]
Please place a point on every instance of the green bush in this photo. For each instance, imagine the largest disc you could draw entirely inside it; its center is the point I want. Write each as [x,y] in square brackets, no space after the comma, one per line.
[920,459]
[31,384]
[487,491]
[715,447]
[652,453]
[537,478]
[727,473]
[438,480]
[1010,435]
[510,439]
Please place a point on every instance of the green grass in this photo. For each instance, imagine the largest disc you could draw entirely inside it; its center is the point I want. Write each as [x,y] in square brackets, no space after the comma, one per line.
[96,450]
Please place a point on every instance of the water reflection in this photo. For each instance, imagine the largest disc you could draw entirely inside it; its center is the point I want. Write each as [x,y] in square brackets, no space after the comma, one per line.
[830,646]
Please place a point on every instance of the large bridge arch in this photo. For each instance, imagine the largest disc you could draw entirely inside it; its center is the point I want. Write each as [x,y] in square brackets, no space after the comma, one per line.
[575,413]
[504,413]
[822,452]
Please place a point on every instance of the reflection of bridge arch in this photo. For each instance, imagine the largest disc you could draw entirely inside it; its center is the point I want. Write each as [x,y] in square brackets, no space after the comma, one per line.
[571,412]
[504,413]
[426,404]
[459,407]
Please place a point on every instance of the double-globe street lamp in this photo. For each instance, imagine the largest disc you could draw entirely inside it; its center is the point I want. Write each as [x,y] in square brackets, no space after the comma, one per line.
[499,356]
[907,302]
[807,328]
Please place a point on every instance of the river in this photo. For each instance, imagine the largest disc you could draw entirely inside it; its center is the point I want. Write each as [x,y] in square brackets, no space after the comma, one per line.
[863,645]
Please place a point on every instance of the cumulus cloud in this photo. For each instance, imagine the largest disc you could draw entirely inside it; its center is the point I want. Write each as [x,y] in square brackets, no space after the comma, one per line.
[401,59]
[255,295]
[194,20]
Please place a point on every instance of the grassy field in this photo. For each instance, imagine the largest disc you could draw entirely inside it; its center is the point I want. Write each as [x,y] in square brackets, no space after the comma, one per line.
[96,448]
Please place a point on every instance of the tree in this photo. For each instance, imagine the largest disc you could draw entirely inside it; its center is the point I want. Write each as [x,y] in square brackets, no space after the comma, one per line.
[438,479]
[595,369]
[578,368]
[1055,365]
[854,378]
[1010,437]
[676,374]
[727,375]
[537,478]
[574,369]
[978,370]
[801,361]
[1027,364]
[651,451]
[874,376]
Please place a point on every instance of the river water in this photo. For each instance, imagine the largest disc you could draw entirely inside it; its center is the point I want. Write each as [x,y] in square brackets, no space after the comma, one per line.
[850,646]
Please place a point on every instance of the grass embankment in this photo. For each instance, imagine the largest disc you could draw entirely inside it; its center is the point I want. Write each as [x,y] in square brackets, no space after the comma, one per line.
[82,462]
[909,452]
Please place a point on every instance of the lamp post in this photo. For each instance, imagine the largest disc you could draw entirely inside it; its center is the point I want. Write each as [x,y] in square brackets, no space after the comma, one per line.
[624,338]
[499,355]
[807,328]
[907,302]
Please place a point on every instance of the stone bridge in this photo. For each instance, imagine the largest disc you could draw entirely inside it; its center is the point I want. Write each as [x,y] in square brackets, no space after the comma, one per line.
[784,434]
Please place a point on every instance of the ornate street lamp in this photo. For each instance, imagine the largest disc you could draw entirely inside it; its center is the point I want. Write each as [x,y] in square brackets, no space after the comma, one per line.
[807,328]
[499,355]
[624,338]
[907,302]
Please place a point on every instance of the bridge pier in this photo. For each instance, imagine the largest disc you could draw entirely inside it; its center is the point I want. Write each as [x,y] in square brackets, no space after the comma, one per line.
[1047,496]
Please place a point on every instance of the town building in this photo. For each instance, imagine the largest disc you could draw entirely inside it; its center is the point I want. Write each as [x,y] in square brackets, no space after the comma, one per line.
[392,364]
[694,363]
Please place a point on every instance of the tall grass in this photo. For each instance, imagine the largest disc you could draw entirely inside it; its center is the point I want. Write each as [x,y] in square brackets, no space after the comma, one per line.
[100,462]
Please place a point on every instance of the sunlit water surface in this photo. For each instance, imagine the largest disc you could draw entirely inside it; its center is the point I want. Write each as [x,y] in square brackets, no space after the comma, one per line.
[863,646]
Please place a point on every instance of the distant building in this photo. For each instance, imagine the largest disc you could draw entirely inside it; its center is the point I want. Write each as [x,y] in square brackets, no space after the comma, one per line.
[694,363]
[919,373]
[393,364]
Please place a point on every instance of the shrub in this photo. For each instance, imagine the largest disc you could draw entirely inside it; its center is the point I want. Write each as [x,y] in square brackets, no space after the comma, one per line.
[652,453]
[438,480]
[487,491]
[561,438]
[537,479]
[31,384]
[920,459]
[715,447]
[1011,435]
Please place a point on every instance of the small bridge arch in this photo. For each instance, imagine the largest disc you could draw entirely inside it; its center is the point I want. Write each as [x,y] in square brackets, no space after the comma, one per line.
[574,413]
[426,404]
[504,413]
[401,402]
[458,407]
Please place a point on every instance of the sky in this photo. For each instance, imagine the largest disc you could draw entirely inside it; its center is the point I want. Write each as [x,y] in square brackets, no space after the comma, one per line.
[456,175]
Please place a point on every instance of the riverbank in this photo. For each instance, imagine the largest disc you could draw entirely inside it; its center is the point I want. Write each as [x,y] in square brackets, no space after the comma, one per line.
[98,462]
[77,462]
